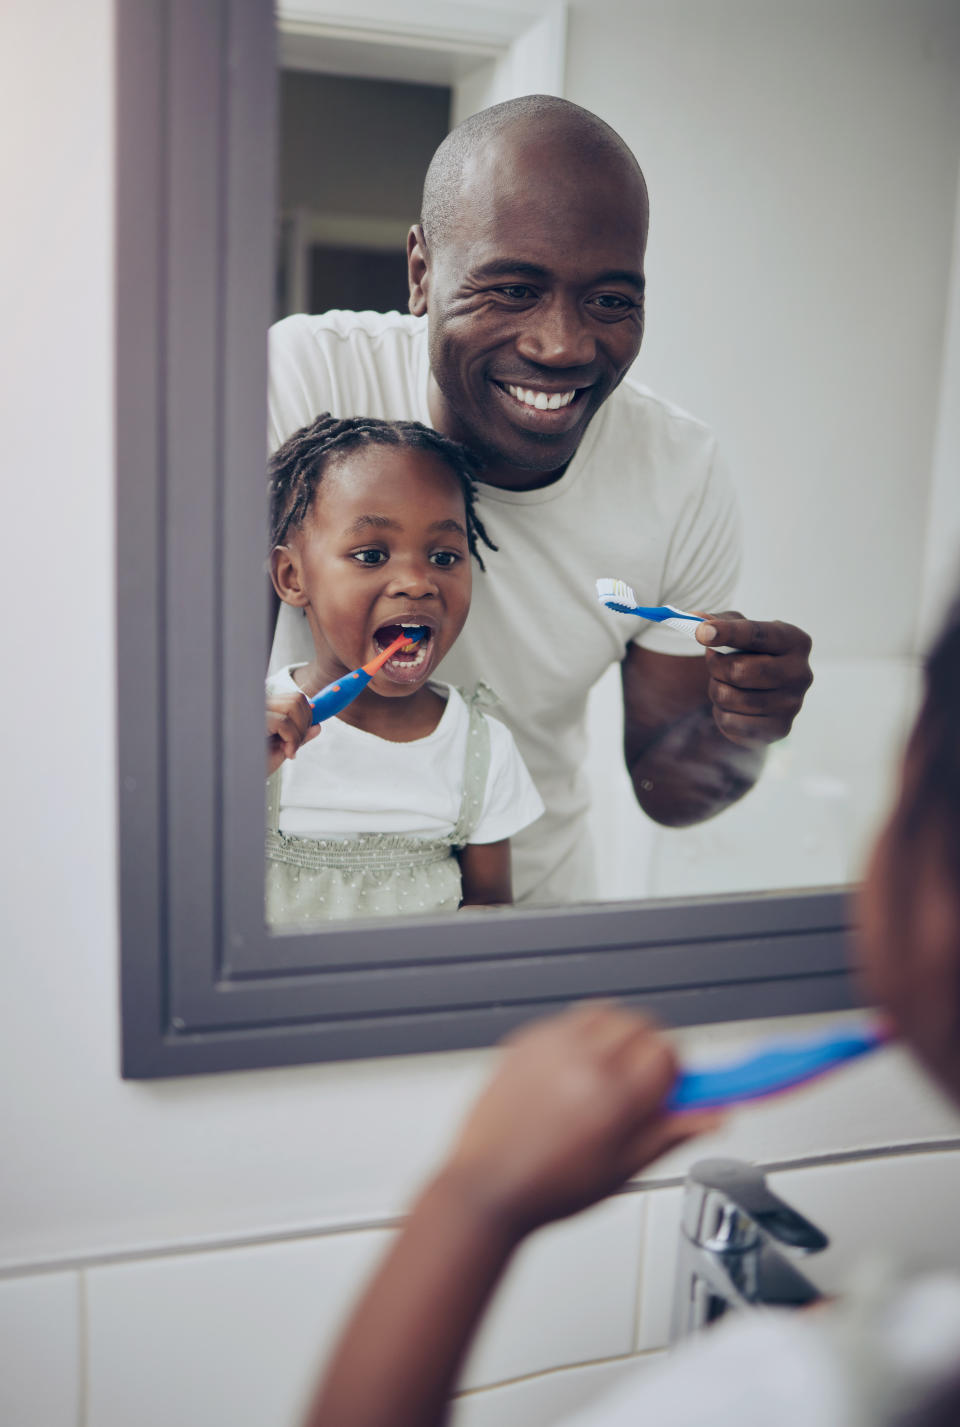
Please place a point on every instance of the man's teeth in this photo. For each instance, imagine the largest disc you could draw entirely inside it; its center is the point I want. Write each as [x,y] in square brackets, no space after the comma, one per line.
[542,400]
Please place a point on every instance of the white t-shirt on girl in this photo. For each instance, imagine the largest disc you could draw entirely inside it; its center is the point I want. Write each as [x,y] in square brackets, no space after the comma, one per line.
[348,781]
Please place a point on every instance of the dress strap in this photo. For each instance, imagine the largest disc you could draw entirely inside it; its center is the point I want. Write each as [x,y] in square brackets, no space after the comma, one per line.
[475,769]
[273,800]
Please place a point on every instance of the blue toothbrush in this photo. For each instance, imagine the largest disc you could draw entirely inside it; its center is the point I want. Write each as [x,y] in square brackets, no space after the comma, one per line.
[618,596]
[774,1068]
[335,697]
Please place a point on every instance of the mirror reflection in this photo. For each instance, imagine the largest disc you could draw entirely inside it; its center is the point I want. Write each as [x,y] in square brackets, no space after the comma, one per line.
[465,442]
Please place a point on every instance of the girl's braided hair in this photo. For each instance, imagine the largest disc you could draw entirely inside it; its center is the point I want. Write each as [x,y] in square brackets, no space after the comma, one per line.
[296,468]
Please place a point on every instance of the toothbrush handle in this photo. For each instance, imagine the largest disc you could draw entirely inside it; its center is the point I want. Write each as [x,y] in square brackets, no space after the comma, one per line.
[336,696]
[778,1067]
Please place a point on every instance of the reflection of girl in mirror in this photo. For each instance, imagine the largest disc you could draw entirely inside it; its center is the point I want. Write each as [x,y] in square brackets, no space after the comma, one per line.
[577,1107]
[406,801]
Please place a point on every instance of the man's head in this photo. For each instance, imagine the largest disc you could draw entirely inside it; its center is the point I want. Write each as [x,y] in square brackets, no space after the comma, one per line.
[528,261]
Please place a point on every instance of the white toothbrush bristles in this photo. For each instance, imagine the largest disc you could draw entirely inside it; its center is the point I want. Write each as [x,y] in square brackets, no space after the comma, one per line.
[617,590]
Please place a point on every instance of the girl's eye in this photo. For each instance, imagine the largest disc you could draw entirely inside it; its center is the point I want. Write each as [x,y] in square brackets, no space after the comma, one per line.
[444,558]
[369,557]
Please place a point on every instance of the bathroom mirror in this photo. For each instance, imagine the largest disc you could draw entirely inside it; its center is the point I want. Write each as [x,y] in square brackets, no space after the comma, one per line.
[205,986]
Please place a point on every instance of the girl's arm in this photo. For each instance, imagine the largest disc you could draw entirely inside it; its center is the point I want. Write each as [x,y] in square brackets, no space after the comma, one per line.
[575,1110]
[485,873]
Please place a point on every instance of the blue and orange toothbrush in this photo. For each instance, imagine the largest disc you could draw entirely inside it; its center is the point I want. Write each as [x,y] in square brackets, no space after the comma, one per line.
[335,697]
[775,1068]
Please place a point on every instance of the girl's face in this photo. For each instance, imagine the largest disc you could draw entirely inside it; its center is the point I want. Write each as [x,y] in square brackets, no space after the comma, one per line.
[909,939]
[384,546]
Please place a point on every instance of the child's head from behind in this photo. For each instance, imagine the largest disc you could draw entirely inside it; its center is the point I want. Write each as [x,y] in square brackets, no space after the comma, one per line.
[910,907]
[373,528]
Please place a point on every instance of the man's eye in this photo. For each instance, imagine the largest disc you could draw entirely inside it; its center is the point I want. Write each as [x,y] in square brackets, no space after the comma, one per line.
[613,302]
[516,292]
[369,557]
[444,558]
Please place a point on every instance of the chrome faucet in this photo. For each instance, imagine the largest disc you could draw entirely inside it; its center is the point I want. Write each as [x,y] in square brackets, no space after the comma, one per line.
[731,1237]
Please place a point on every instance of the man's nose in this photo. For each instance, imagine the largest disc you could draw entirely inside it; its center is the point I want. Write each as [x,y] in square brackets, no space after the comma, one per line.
[412,577]
[556,333]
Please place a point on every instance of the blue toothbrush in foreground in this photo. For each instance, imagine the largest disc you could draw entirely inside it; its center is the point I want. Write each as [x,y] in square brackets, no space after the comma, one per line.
[335,697]
[774,1068]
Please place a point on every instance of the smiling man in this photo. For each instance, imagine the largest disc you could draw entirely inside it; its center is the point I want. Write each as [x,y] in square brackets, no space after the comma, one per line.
[526,312]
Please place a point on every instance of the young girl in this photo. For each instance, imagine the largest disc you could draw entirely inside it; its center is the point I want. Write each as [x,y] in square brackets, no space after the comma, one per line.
[406,801]
[577,1108]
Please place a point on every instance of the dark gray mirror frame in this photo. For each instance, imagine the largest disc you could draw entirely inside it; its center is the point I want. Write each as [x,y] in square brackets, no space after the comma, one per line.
[204,986]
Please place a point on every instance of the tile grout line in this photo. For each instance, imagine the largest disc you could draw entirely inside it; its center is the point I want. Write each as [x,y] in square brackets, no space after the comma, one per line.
[638,1286]
[555,1371]
[83,1351]
[812,1161]
[264,1237]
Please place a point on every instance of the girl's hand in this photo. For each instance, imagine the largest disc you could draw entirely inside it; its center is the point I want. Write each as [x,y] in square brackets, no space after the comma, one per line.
[288,727]
[575,1110]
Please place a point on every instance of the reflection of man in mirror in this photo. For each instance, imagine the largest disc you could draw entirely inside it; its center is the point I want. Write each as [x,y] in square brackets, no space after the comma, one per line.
[526,312]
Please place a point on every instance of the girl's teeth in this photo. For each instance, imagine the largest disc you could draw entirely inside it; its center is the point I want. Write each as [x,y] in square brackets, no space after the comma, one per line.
[541,400]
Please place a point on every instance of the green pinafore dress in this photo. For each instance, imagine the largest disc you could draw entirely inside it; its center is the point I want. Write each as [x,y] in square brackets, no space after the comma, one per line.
[376,874]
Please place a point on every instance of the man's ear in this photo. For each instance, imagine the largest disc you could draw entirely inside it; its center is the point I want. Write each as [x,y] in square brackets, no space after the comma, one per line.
[286,575]
[417,270]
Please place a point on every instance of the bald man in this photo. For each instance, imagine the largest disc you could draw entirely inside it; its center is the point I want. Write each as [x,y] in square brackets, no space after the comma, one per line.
[526,312]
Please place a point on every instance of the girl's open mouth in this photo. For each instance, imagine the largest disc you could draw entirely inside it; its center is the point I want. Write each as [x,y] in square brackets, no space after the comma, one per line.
[408,664]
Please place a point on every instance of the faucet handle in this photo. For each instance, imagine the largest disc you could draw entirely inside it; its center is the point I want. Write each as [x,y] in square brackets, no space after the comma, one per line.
[728,1206]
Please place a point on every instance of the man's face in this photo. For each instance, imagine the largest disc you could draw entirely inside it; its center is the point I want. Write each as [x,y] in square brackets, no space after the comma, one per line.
[535,306]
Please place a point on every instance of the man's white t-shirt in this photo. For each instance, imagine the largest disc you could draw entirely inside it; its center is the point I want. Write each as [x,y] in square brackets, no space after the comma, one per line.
[645,499]
[348,781]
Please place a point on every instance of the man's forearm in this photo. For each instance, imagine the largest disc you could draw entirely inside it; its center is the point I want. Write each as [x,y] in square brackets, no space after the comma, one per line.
[397,1362]
[691,771]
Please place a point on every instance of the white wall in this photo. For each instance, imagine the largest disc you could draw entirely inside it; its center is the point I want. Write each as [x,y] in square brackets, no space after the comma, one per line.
[180,1251]
[942,563]
[802,163]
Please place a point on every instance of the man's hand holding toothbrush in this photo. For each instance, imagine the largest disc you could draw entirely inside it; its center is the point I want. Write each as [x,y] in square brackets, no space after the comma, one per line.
[756,690]
[696,730]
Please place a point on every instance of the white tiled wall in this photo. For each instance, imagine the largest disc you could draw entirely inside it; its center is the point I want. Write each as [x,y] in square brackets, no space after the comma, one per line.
[40,1354]
[903,1210]
[569,1298]
[542,1400]
[229,1338]
[235,1337]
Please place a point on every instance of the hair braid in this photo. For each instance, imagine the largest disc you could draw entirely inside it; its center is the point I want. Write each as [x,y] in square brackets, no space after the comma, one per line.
[296,468]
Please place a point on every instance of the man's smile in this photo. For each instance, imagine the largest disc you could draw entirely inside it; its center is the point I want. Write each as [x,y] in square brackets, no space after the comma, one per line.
[540,408]
[540,399]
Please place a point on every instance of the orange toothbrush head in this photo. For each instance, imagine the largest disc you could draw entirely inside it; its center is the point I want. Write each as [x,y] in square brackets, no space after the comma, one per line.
[403,641]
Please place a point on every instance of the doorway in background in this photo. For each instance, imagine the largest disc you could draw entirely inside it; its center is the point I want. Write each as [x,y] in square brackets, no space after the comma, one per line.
[352,156]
